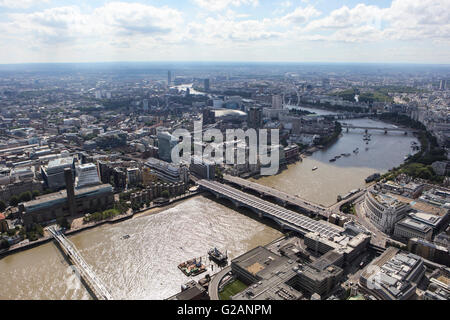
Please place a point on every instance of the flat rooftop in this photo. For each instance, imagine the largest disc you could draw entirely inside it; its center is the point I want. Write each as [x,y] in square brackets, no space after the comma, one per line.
[260,262]
[415,225]
[422,206]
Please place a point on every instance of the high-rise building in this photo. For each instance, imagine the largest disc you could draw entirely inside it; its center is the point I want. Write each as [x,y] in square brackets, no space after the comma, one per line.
[206,85]
[209,116]
[53,173]
[166,142]
[86,175]
[169,78]
[145,104]
[254,118]
[277,102]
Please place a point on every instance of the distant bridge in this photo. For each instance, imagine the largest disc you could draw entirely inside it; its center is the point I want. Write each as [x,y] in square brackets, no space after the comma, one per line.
[347,126]
[287,219]
[344,116]
[94,283]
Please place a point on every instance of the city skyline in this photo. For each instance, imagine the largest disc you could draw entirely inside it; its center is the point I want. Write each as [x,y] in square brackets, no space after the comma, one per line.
[409,31]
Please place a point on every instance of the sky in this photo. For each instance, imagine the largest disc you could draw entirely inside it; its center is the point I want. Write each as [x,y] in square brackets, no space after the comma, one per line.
[378,31]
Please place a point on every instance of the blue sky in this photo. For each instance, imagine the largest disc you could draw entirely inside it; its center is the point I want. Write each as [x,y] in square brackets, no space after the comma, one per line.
[405,31]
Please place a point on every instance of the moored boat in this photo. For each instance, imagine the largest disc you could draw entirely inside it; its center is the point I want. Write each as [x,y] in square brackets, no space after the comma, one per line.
[216,255]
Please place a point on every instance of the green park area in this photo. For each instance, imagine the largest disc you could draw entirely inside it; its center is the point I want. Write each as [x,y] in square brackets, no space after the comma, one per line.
[231,289]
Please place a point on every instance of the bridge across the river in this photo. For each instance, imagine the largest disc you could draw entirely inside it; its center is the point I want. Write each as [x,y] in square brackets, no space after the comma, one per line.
[348,126]
[287,219]
[91,279]
[281,197]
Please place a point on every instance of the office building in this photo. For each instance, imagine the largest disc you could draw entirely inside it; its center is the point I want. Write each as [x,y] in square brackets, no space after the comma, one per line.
[319,277]
[410,228]
[53,173]
[86,175]
[206,85]
[133,176]
[166,142]
[384,211]
[430,251]
[209,116]
[277,102]
[393,276]
[203,168]
[168,171]
[254,118]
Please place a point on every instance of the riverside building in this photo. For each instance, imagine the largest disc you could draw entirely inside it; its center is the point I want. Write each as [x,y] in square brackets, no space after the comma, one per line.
[69,202]
[384,211]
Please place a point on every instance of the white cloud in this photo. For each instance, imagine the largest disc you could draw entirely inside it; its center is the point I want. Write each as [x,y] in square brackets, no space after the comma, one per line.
[301,15]
[217,5]
[224,30]
[403,20]
[129,19]
[139,28]
[108,23]
[21,4]
[345,17]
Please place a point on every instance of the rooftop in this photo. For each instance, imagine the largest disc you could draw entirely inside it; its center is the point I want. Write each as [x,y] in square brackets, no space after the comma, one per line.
[60,162]
[416,225]
[393,274]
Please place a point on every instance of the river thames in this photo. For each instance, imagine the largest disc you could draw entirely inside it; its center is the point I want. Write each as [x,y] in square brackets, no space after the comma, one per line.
[144,266]
[330,179]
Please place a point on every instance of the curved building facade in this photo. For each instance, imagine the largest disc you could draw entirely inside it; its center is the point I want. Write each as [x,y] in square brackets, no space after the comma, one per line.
[384,211]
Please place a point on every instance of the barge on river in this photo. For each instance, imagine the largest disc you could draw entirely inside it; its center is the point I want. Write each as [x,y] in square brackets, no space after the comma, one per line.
[192,267]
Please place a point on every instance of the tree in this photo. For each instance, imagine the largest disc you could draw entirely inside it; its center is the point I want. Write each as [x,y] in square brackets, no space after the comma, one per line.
[2,206]
[63,223]
[135,206]
[36,193]
[165,194]
[25,196]
[4,244]
[14,201]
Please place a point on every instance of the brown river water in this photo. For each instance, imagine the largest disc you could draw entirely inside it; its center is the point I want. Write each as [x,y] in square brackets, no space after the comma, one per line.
[143,266]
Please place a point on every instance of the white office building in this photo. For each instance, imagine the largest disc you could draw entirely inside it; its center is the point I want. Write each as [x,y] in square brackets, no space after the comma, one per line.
[384,211]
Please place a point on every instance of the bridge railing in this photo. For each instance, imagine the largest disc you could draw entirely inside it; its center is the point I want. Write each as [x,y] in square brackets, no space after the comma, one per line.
[88,274]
